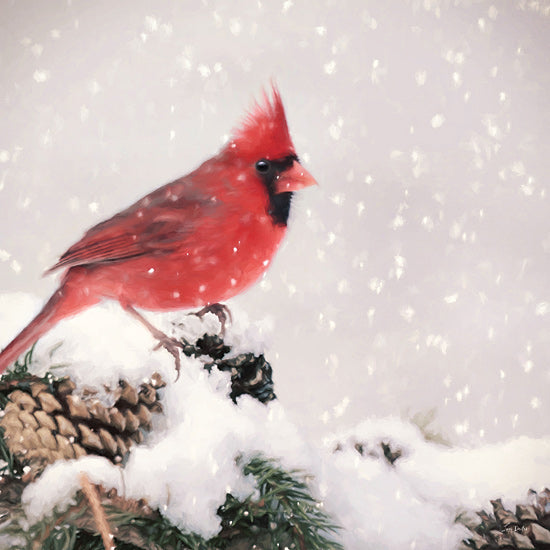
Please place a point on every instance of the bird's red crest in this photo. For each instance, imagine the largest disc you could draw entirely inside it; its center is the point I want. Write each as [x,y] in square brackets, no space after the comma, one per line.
[264,131]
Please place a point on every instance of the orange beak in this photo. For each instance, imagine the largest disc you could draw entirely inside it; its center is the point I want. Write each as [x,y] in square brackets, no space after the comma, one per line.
[294,179]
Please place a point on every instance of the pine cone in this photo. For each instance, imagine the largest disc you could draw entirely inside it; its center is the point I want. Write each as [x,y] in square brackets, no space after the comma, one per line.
[43,422]
[250,374]
[527,529]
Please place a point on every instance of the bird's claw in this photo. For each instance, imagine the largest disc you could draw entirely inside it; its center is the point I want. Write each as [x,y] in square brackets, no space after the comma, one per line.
[221,311]
[172,346]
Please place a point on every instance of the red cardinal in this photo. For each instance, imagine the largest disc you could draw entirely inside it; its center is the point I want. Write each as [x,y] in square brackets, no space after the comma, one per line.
[194,242]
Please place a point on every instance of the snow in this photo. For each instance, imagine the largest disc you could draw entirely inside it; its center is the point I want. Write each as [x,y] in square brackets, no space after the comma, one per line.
[429,484]
[186,465]
[63,475]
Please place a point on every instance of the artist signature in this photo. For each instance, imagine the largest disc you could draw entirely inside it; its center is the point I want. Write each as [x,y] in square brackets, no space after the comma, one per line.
[514,529]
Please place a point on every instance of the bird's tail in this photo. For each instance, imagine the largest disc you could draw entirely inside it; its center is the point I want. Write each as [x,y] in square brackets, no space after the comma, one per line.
[67,300]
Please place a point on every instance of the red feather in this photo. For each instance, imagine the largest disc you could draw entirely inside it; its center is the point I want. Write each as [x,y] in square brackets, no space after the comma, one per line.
[198,240]
[264,131]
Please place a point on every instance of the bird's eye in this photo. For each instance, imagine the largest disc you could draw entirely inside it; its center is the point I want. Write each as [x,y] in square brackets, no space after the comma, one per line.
[263,166]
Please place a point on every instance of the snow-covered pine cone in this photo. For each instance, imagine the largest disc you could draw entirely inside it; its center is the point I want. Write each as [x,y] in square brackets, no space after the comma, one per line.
[250,374]
[43,422]
[527,529]
[385,450]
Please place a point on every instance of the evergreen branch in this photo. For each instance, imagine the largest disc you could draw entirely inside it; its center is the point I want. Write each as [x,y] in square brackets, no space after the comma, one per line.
[286,515]
[20,370]
[12,467]
[289,503]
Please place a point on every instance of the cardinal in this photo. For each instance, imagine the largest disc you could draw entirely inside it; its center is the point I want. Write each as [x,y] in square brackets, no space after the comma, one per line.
[194,242]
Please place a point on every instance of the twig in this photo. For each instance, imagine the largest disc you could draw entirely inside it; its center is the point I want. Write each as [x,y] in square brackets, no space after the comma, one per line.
[90,492]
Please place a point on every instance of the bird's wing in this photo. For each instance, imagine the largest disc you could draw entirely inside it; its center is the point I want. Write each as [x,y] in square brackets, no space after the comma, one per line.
[160,223]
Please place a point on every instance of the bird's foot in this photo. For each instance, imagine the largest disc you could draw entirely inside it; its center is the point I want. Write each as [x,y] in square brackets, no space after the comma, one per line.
[221,311]
[172,346]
